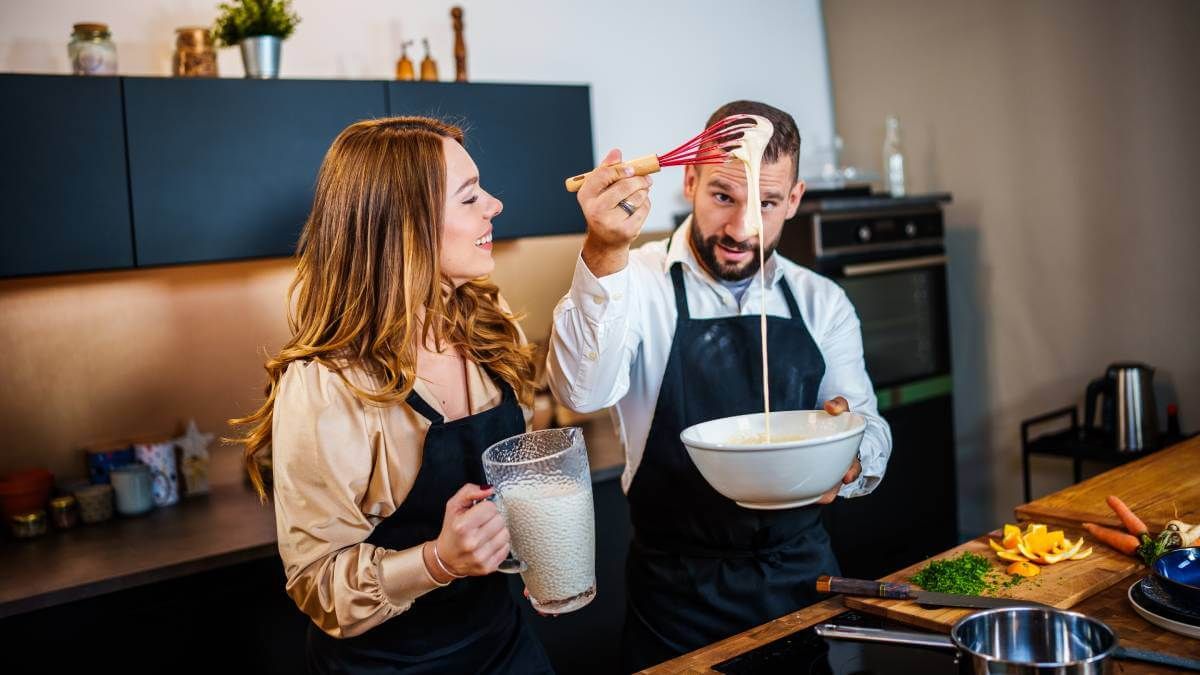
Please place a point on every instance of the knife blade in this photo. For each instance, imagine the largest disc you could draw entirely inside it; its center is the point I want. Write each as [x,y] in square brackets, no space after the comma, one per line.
[900,591]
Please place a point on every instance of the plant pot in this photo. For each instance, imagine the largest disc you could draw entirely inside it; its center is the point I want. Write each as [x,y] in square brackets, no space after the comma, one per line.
[260,56]
[25,491]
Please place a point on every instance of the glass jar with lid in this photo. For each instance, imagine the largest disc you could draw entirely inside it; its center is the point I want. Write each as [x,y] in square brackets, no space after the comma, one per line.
[91,50]
[28,525]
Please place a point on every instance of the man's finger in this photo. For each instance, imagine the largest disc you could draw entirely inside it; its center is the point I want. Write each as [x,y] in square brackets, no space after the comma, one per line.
[837,405]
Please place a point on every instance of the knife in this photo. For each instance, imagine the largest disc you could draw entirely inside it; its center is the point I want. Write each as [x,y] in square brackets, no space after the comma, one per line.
[900,591]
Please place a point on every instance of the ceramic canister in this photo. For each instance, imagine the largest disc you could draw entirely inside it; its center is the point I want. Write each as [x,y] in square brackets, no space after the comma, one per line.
[160,457]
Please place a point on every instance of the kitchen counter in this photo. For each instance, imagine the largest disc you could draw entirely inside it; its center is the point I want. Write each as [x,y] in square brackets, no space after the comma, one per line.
[206,532]
[1110,605]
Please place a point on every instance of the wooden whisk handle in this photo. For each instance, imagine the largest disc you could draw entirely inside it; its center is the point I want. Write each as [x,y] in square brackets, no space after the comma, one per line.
[642,166]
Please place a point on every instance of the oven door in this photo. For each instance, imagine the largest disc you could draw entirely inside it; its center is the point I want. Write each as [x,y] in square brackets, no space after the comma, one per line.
[901,304]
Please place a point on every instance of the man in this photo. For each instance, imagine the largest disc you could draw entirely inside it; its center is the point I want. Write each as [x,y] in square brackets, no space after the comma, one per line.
[669,334]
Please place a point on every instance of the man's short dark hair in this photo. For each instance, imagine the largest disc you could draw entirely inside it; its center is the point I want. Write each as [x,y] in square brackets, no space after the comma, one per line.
[785,142]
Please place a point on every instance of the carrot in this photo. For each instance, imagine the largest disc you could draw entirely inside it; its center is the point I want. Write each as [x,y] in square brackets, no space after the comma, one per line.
[1125,543]
[1132,523]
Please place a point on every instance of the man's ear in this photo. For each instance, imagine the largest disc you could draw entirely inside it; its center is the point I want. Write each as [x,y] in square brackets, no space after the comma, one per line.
[691,178]
[794,198]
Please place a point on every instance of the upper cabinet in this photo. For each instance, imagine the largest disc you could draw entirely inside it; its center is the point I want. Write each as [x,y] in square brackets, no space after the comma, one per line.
[221,169]
[62,179]
[525,139]
[104,173]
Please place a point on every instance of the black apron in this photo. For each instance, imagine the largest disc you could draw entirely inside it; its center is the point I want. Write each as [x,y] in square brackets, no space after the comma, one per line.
[470,626]
[700,567]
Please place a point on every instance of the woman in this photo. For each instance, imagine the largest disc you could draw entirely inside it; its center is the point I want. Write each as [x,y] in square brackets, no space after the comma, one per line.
[404,365]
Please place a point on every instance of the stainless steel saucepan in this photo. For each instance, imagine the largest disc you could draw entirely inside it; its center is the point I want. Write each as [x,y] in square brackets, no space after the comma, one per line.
[1020,640]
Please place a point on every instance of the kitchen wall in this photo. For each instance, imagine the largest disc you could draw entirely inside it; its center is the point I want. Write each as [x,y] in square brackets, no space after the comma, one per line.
[1067,132]
[96,356]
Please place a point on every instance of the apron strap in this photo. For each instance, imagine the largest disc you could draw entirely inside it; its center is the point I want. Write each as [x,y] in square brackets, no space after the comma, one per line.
[424,409]
[793,308]
[681,305]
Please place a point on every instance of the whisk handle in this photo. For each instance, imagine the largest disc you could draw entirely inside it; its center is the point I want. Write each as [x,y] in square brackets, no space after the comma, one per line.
[641,167]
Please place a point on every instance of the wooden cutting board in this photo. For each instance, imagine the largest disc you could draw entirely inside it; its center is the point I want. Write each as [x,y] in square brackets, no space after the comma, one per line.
[1061,585]
[1155,487]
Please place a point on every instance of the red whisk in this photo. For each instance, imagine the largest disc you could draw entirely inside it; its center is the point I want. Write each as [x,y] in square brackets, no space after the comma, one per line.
[711,146]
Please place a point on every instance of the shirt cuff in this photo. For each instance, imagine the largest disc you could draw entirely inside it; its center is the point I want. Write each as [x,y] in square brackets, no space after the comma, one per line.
[599,298]
[404,577]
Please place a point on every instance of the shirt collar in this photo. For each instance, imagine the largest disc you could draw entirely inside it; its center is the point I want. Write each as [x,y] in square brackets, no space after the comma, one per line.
[680,250]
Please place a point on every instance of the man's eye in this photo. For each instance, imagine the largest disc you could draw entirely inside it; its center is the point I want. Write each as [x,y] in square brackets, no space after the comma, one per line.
[768,205]
[722,197]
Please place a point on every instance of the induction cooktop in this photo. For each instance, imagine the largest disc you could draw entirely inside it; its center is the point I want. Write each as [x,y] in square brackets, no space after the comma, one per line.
[806,653]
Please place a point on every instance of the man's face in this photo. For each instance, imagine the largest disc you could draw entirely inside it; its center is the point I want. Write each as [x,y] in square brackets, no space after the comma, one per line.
[719,201]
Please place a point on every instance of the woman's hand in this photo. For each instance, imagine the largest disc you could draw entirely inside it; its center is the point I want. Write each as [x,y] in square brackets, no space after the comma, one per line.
[606,194]
[474,540]
[837,406]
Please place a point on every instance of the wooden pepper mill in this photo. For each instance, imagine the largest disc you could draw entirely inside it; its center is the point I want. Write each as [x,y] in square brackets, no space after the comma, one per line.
[404,67]
[428,65]
[460,46]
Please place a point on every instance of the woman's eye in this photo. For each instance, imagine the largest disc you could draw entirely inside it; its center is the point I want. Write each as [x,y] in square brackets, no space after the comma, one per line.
[472,200]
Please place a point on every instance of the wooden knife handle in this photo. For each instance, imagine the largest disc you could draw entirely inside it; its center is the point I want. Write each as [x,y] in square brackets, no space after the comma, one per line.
[863,587]
[642,166]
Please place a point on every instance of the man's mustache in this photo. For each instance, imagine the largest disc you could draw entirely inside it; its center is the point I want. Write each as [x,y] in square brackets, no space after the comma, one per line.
[728,243]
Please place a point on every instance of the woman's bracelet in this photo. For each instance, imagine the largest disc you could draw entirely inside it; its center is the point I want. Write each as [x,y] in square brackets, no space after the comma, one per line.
[442,565]
[429,566]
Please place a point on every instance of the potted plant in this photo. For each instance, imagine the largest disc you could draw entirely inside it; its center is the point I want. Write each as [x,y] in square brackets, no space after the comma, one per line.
[259,26]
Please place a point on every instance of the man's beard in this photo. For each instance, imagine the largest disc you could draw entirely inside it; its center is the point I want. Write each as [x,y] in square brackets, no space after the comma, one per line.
[707,250]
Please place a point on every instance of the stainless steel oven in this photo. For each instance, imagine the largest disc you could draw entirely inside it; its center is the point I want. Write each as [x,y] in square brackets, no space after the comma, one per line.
[889,256]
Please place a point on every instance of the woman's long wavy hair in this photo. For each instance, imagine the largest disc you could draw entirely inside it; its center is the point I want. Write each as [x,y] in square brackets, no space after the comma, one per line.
[368,288]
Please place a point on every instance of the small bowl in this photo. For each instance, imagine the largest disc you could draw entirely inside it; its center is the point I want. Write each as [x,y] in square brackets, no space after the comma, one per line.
[1178,573]
[810,452]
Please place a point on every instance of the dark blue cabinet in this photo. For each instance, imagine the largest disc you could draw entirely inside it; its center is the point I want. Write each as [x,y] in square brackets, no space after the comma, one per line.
[224,169]
[526,140]
[63,187]
[109,173]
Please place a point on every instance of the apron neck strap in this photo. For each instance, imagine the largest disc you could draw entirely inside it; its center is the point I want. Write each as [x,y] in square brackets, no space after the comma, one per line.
[681,306]
[424,409]
[793,308]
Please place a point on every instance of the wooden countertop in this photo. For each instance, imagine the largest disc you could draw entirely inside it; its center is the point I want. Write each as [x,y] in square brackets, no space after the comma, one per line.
[1139,483]
[225,527]
[1159,487]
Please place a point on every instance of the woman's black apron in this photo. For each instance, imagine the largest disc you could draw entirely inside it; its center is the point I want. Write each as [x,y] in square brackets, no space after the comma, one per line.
[700,567]
[470,626]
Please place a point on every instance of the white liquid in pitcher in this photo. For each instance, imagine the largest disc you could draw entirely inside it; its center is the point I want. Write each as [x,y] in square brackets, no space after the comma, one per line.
[553,531]
[750,152]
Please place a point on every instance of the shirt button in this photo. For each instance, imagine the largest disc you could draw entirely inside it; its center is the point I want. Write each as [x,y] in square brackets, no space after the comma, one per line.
[598,299]
[591,356]
[617,296]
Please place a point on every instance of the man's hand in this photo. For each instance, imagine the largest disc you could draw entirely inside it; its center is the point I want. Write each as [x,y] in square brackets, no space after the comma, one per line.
[837,406]
[610,228]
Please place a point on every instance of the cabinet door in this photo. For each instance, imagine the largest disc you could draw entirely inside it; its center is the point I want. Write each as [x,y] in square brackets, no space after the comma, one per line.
[63,182]
[526,140]
[222,169]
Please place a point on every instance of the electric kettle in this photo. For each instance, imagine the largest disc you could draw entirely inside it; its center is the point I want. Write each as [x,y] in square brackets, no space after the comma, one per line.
[1128,415]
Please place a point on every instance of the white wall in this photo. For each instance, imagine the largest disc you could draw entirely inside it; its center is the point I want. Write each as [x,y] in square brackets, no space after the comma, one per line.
[657,69]
[1067,132]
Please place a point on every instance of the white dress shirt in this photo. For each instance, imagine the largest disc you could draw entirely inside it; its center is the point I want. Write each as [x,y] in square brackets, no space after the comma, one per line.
[612,337]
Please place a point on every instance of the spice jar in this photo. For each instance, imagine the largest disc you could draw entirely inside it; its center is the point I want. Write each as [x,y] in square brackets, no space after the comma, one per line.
[92,51]
[195,55]
[64,512]
[28,525]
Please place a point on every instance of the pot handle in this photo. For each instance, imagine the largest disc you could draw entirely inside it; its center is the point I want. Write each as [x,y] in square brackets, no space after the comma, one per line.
[1159,658]
[895,637]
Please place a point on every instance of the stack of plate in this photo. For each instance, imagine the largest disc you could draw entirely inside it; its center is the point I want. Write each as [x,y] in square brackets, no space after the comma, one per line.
[1170,597]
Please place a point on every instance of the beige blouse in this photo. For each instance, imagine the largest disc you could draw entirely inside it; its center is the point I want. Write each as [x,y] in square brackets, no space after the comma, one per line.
[340,466]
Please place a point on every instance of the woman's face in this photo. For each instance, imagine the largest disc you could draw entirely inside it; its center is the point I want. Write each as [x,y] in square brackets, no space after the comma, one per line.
[467,233]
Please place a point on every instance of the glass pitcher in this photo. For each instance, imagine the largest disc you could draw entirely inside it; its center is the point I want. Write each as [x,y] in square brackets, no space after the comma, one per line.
[544,489]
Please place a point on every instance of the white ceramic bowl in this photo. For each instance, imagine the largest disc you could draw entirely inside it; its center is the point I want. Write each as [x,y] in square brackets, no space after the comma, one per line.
[810,452]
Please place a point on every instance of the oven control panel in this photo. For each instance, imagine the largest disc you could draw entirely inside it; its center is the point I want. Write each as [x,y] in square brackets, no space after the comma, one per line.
[845,233]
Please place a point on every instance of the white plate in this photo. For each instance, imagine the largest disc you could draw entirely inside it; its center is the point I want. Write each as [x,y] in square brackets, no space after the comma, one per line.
[1184,629]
